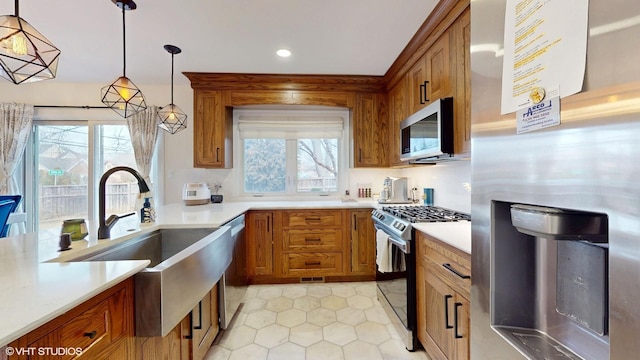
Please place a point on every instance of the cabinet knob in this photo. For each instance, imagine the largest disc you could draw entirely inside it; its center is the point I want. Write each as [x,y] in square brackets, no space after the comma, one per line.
[91,334]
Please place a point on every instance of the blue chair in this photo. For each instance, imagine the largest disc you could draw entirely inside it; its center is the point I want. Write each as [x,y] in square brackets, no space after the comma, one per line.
[5,209]
[4,231]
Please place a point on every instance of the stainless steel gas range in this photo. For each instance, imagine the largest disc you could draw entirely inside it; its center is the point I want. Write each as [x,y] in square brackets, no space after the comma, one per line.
[396,286]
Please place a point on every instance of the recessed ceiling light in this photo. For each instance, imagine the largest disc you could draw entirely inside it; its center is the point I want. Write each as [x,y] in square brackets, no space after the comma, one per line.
[283,53]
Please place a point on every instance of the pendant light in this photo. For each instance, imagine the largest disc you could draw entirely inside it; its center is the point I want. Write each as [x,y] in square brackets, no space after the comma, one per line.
[122,96]
[25,54]
[170,117]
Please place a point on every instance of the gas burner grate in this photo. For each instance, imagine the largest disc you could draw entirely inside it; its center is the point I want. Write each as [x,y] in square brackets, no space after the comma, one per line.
[416,214]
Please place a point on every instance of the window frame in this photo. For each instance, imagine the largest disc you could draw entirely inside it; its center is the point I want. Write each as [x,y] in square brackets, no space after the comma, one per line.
[291,176]
[95,159]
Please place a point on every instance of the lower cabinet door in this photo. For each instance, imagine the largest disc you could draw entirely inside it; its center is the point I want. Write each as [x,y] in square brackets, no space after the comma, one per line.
[204,324]
[462,328]
[437,316]
[443,317]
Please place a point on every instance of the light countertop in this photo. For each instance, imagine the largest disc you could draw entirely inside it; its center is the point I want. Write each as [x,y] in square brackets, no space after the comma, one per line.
[456,233]
[34,293]
[39,282]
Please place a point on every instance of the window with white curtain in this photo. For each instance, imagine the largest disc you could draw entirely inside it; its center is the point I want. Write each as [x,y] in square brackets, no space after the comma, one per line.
[292,152]
[65,163]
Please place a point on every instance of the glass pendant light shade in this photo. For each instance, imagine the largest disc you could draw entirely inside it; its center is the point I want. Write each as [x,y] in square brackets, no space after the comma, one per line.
[123,96]
[172,119]
[25,54]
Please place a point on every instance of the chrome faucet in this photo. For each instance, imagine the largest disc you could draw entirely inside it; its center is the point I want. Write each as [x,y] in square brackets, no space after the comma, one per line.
[104,231]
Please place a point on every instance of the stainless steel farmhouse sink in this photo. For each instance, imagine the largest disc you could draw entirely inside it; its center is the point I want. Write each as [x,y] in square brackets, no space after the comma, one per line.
[185,265]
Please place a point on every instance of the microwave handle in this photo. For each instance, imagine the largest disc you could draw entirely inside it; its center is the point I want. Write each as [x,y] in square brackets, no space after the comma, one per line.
[423,92]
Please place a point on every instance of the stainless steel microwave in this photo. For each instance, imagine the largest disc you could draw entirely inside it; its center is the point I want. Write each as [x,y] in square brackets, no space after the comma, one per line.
[428,134]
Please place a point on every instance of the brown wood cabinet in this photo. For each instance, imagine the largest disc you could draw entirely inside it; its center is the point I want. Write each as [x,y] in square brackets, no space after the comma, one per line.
[204,325]
[431,77]
[443,292]
[215,95]
[398,111]
[370,128]
[101,327]
[311,243]
[173,346]
[212,126]
[363,243]
[293,245]
[259,233]
[462,97]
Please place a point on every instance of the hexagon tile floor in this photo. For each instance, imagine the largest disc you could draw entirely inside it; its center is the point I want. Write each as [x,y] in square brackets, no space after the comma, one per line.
[324,321]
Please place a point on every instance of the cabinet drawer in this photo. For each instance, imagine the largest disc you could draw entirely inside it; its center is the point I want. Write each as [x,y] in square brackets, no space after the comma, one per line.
[451,265]
[90,329]
[312,218]
[312,240]
[320,264]
[442,253]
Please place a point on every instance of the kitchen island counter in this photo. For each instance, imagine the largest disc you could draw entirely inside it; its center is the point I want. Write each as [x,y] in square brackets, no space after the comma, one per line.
[35,292]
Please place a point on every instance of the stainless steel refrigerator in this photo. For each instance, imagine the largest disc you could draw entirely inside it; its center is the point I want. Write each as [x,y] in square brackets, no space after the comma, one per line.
[556,211]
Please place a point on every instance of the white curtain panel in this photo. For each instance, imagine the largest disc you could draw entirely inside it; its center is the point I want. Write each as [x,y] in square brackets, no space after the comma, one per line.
[16,120]
[143,128]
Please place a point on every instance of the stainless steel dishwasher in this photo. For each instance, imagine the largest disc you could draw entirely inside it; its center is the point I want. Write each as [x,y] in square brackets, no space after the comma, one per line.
[234,281]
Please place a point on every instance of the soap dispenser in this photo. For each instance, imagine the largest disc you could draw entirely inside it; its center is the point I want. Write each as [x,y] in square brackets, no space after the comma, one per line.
[147,213]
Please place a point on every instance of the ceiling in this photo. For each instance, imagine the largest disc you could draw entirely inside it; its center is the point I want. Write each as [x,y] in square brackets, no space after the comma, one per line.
[356,37]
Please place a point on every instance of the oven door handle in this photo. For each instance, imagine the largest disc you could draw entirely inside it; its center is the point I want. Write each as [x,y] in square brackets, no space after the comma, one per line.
[399,243]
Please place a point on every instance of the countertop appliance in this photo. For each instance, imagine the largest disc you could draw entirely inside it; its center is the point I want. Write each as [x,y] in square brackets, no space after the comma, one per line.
[197,193]
[543,287]
[397,290]
[427,135]
[394,191]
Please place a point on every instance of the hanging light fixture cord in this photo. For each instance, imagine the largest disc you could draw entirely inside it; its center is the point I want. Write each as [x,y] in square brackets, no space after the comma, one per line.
[124,44]
[172,54]
[17,9]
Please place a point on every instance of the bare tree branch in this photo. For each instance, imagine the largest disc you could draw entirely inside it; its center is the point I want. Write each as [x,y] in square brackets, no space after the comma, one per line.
[306,149]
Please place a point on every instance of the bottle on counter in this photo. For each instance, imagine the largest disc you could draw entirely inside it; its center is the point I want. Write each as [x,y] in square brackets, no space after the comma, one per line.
[147,213]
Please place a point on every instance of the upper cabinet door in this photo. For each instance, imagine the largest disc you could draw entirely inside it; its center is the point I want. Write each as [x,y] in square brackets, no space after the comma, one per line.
[462,97]
[438,66]
[418,84]
[398,111]
[430,77]
[212,131]
[370,136]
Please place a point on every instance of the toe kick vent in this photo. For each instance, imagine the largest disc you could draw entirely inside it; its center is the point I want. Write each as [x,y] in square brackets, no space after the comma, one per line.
[312,279]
